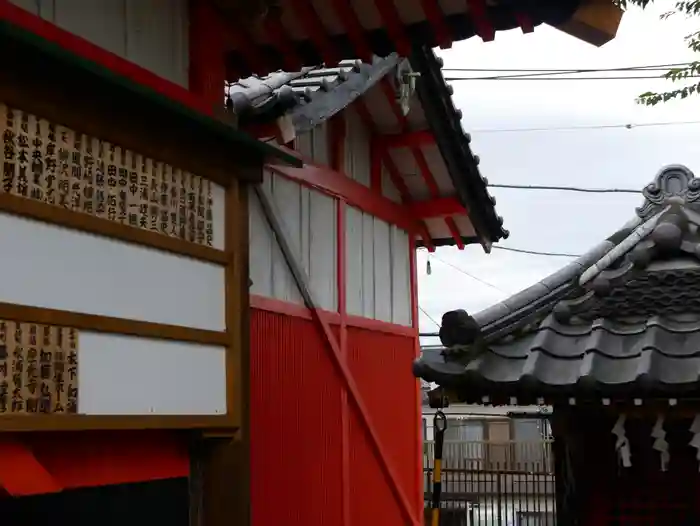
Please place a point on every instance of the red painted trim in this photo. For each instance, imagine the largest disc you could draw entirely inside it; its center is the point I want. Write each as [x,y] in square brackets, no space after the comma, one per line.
[442,206]
[21,473]
[394,26]
[407,139]
[207,54]
[477,12]
[86,50]
[313,27]
[89,459]
[355,194]
[436,18]
[454,231]
[525,22]
[348,18]
[300,311]
[413,274]
[380,326]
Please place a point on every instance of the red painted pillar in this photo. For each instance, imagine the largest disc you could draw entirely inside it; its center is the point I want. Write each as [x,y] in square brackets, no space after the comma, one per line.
[207,55]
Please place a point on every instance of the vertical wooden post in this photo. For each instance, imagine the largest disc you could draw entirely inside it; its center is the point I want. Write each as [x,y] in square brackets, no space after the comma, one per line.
[221,458]
[413,277]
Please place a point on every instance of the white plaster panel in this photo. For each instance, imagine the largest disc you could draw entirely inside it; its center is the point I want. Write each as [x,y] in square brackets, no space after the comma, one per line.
[400,277]
[353,261]
[125,375]
[53,267]
[151,33]
[357,149]
[389,190]
[309,219]
[382,270]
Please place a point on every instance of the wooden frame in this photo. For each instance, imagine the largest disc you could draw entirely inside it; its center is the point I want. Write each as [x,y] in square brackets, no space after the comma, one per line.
[88,104]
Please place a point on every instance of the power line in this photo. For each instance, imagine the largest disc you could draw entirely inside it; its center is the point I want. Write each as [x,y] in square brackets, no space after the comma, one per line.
[537,252]
[543,78]
[586,70]
[627,126]
[567,188]
[455,267]
[428,315]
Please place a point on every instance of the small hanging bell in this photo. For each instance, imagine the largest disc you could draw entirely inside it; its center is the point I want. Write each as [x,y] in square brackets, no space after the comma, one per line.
[428,268]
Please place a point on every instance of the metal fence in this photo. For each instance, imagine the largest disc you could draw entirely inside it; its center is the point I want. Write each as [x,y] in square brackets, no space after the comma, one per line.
[485,492]
[490,455]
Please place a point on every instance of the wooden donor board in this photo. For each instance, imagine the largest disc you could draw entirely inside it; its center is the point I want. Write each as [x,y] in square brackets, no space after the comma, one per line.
[48,162]
[38,369]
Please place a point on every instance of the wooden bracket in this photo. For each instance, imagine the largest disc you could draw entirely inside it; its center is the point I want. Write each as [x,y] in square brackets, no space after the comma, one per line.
[318,316]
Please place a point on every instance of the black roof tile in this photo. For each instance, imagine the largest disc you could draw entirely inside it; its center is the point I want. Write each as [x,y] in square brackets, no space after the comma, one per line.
[622,319]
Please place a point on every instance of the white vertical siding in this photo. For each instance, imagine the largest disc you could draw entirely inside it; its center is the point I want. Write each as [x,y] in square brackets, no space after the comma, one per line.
[377,269]
[150,33]
[314,144]
[310,220]
[357,149]
[389,190]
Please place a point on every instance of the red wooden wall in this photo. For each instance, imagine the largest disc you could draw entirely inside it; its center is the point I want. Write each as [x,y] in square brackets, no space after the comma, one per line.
[301,473]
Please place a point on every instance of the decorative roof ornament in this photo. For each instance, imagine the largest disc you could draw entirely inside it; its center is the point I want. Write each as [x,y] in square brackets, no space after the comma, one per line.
[674,184]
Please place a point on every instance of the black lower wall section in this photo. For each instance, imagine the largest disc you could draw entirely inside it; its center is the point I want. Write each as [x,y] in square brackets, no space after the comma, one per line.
[162,502]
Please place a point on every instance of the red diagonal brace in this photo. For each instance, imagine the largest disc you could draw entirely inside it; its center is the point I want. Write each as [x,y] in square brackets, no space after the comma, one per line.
[338,359]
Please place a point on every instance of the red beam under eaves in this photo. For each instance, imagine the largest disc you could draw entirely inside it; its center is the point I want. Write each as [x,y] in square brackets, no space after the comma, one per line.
[477,11]
[441,207]
[21,473]
[411,139]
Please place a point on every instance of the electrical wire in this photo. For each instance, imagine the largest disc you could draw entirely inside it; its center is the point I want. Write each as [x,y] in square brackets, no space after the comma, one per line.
[587,70]
[627,126]
[428,315]
[543,78]
[537,252]
[455,267]
[567,189]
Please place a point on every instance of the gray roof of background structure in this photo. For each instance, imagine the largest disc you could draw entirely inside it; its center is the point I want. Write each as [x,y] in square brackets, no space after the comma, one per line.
[624,317]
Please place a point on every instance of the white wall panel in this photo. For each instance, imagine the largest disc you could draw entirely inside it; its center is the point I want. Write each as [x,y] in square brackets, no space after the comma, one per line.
[49,266]
[309,219]
[377,269]
[357,149]
[125,375]
[389,190]
[151,33]
[314,144]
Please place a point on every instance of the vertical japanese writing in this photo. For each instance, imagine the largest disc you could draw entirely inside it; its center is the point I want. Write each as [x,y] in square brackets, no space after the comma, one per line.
[153,194]
[4,381]
[50,163]
[46,376]
[201,194]
[132,196]
[122,185]
[17,402]
[182,206]
[164,199]
[59,372]
[9,140]
[76,172]
[112,183]
[71,378]
[143,192]
[37,135]
[192,208]
[37,340]
[65,144]
[100,180]
[173,200]
[209,216]
[23,155]
[89,149]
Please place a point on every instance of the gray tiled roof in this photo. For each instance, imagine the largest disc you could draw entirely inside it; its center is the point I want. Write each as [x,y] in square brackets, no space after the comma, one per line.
[624,318]
[280,92]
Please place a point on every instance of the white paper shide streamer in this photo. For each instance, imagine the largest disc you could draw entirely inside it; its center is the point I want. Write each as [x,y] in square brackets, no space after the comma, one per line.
[622,445]
[695,441]
[660,443]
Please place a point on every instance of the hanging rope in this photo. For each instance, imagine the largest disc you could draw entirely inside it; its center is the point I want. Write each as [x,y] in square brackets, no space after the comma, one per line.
[439,427]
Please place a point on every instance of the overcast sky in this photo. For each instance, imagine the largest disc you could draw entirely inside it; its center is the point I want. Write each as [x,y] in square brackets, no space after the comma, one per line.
[604,158]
